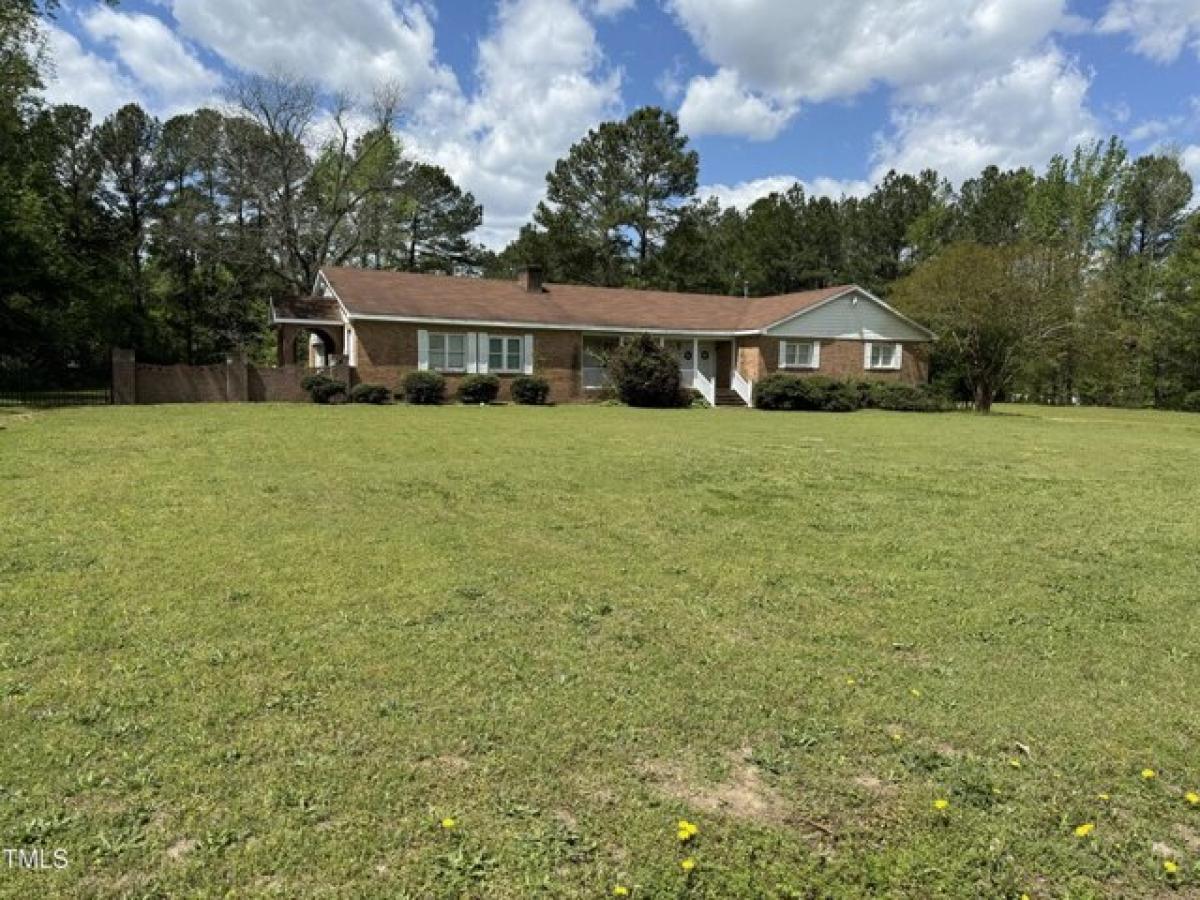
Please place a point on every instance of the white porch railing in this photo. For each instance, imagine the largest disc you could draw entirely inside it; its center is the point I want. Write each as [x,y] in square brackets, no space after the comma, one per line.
[705,385]
[744,388]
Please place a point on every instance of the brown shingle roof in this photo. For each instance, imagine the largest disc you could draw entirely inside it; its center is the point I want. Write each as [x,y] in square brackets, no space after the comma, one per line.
[368,292]
[311,307]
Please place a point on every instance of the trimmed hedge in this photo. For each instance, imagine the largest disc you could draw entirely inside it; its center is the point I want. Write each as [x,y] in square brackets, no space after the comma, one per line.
[323,389]
[423,388]
[370,393]
[530,390]
[900,397]
[782,391]
[479,389]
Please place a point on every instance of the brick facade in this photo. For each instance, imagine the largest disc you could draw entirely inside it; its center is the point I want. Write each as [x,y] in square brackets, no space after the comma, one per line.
[759,356]
[387,351]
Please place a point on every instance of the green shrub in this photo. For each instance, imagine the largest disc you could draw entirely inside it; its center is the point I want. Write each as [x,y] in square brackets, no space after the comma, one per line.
[530,390]
[1190,402]
[370,393]
[479,389]
[783,391]
[644,373]
[904,397]
[323,389]
[424,388]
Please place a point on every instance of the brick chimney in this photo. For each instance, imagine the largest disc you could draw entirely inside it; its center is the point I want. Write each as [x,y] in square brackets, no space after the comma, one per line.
[530,278]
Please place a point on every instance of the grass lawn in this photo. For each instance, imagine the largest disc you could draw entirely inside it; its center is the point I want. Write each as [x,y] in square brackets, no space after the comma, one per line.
[269,648]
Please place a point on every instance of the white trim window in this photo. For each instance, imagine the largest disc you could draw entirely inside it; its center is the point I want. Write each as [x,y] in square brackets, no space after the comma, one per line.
[799,355]
[505,353]
[885,355]
[447,352]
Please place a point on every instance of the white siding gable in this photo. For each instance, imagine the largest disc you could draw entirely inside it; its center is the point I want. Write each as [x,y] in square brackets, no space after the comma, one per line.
[852,316]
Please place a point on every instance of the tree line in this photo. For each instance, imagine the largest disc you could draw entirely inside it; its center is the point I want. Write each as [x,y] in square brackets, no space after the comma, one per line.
[1079,283]
[173,236]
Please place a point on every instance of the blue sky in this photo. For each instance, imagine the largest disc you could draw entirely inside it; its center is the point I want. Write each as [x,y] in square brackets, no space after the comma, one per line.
[829,92]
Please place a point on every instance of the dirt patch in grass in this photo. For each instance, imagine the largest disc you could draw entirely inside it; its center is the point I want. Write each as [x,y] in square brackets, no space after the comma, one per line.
[744,795]
[449,764]
[1189,836]
[875,787]
[181,848]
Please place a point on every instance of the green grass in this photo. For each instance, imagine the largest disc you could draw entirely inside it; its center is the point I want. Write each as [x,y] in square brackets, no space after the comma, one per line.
[267,648]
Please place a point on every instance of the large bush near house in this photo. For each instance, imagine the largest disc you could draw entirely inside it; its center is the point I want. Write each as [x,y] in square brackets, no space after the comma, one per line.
[783,391]
[900,397]
[323,389]
[424,388]
[644,373]
[479,389]
[370,393]
[530,390]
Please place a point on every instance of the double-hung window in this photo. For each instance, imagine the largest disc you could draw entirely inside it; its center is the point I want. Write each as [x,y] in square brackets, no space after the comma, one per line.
[504,354]
[883,356]
[799,355]
[447,352]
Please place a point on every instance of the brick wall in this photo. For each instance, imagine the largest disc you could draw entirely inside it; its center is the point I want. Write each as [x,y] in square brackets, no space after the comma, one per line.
[233,381]
[759,356]
[387,351]
[180,384]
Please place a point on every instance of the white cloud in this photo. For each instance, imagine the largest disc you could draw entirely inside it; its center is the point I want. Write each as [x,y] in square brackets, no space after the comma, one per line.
[1152,129]
[743,194]
[83,78]
[1189,158]
[721,105]
[351,46]
[543,84]
[817,50]
[170,77]
[611,8]
[1160,28]
[1021,116]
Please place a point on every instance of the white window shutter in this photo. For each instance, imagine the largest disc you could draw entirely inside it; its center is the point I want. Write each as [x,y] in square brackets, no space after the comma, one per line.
[484,349]
[422,350]
[529,354]
[816,354]
[899,356]
[867,355]
[472,352]
[783,354]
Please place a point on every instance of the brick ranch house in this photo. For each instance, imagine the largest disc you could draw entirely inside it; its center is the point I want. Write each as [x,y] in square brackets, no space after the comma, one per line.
[385,324]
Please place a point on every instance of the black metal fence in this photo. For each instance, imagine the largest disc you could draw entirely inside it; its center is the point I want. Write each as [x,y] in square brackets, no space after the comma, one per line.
[72,386]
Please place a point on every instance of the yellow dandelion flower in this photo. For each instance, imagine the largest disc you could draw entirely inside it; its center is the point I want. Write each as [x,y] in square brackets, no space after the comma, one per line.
[1104,797]
[1149,773]
[915,692]
[1085,829]
[897,737]
[1015,763]
[941,803]
[687,830]
[620,891]
[1024,897]
[1192,797]
[1170,866]
[688,864]
[851,682]
[448,823]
